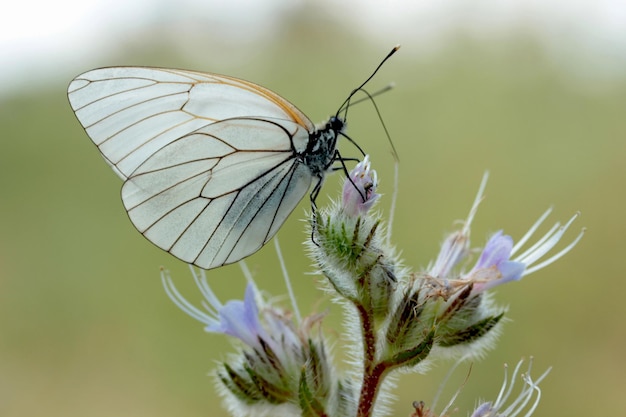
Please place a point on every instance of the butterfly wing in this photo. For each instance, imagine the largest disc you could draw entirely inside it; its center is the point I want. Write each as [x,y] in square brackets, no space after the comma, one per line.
[132,112]
[217,195]
[209,161]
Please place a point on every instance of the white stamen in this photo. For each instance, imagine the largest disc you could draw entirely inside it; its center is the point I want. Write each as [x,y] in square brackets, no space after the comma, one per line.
[504,384]
[502,399]
[535,386]
[181,302]
[531,231]
[539,245]
[557,255]
[524,397]
[214,303]
[477,201]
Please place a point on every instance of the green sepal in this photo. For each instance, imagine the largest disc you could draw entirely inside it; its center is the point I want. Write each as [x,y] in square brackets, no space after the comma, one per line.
[471,333]
[404,318]
[241,387]
[309,404]
[270,392]
[456,305]
[413,356]
[317,369]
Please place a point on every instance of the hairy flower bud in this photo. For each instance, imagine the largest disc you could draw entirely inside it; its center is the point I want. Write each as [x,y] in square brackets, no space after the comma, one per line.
[349,249]
[359,190]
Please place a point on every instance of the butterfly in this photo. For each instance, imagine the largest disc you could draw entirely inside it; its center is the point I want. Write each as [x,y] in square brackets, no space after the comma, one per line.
[212,165]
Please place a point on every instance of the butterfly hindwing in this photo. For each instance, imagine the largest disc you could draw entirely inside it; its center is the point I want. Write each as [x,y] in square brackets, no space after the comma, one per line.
[218,194]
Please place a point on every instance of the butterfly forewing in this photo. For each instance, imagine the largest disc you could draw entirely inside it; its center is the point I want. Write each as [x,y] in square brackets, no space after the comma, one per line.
[131,112]
[211,163]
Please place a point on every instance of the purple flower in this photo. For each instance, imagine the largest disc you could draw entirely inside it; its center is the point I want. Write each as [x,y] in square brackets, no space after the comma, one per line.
[359,190]
[239,319]
[236,318]
[278,359]
[252,321]
[494,266]
[497,264]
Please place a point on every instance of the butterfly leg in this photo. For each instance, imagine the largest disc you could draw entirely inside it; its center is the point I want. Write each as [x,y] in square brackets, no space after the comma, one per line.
[344,168]
[313,196]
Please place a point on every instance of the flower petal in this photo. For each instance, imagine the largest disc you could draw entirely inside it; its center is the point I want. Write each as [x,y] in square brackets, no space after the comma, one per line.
[359,190]
[240,319]
[497,250]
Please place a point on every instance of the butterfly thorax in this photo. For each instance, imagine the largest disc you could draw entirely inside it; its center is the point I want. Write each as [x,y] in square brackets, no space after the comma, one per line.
[320,151]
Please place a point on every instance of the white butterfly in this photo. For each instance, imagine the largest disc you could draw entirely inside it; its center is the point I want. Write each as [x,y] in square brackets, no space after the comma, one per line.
[212,165]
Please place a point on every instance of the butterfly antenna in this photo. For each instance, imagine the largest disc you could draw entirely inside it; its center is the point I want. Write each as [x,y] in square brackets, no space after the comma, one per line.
[370,97]
[345,104]
[374,94]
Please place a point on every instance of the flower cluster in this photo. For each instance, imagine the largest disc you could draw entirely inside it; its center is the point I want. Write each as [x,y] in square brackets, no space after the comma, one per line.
[280,369]
[395,319]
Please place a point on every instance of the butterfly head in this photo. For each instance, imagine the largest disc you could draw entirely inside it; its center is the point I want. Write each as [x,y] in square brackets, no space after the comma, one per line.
[336,124]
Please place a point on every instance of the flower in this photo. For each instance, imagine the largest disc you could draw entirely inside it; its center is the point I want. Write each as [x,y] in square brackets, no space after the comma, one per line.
[496,264]
[359,189]
[493,408]
[236,318]
[282,367]
[241,319]
[496,408]
[465,319]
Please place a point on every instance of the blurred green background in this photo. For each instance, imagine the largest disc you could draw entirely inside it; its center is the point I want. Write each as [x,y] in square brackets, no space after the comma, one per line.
[86,328]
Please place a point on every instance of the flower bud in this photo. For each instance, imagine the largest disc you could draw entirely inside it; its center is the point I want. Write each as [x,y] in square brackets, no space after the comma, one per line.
[359,189]
[349,249]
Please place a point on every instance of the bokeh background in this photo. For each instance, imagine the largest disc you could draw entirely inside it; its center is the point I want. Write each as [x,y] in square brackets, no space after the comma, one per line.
[534,92]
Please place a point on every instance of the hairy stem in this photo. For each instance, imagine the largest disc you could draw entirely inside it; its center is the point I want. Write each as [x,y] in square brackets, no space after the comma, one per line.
[372,372]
